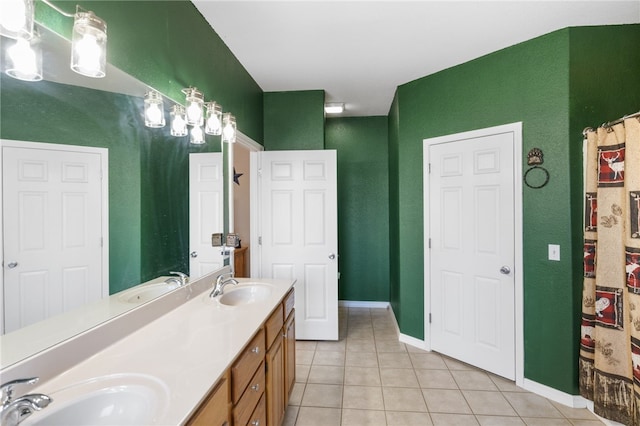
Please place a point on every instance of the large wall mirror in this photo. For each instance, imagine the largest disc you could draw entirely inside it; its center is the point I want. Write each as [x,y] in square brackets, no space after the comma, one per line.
[148,172]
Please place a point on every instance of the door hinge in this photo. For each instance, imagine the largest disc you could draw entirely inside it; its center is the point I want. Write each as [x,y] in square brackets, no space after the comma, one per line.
[429,242]
[429,317]
[259,241]
[101,242]
[429,168]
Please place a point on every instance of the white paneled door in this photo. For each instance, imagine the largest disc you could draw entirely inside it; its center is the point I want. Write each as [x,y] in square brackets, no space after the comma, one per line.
[471,227]
[53,223]
[206,212]
[294,208]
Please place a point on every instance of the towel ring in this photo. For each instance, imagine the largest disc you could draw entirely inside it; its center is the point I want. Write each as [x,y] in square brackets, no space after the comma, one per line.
[546,179]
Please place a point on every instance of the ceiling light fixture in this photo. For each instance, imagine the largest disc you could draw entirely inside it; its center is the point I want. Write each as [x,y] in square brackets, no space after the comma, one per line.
[214,119]
[194,104]
[334,108]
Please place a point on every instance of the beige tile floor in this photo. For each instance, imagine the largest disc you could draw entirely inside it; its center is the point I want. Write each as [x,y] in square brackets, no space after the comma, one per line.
[369,378]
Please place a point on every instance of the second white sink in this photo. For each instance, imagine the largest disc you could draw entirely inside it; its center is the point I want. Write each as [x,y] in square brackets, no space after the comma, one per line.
[245,294]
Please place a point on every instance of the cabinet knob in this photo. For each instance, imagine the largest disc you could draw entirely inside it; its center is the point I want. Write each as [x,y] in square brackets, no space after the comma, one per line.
[256,350]
[255,423]
[256,387]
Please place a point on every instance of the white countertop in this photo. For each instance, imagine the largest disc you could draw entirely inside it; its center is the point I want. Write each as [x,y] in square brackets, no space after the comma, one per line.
[187,350]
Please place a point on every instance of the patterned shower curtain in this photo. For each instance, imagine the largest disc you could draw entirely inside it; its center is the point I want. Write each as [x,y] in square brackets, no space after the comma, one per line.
[609,360]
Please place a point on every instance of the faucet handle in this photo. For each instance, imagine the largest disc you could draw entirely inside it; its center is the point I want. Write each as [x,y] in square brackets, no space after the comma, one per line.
[6,389]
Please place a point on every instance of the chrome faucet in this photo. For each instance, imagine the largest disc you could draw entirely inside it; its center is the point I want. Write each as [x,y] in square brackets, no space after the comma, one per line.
[181,279]
[14,411]
[221,282]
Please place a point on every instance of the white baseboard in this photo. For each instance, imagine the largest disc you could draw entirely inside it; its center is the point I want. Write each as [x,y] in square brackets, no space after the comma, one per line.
[412,341]
[575,401]
[362,304]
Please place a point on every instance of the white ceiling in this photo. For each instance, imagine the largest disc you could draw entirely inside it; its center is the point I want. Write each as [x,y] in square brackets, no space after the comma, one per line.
[360,51]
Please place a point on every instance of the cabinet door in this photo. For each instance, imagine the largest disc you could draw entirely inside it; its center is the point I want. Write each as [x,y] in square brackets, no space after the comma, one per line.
[275,383]
[289,356]
[215,410]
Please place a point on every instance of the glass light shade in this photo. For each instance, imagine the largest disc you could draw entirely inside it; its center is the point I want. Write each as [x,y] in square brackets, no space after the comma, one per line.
[89,45]
[228,128]
[178,121]
[153,110]
[197,135]
[16,18]
[194,105]
[213,121]
[23,60]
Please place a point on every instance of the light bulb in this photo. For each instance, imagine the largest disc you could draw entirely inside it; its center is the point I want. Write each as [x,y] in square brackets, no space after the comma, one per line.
[197,136]
[24,61]
[194,113]
[89,45]
[154,115]
[213,119]
[88,53]
[17,18]
[153,109]
[228,128]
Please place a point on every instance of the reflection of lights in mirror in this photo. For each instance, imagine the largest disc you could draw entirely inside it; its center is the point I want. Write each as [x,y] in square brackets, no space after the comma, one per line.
[228,128]
[23,60]
[214,119]
[178,121]
[88,46]
[153,110]
[194,104]
[197,135]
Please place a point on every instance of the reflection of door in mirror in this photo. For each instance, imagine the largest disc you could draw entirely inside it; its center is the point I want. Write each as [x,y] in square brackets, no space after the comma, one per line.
[54,212]
[241,200]
[206,200]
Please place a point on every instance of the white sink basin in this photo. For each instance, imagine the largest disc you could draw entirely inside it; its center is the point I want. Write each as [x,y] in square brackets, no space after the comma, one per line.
[146,292]
[112,400]
[244,294]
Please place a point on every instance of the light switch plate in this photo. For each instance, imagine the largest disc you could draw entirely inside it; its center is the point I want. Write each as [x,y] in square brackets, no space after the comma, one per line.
[554,252]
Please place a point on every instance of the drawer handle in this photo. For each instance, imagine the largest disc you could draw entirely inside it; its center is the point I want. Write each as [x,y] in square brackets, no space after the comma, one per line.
[255,423]
[255,387]
[256,350]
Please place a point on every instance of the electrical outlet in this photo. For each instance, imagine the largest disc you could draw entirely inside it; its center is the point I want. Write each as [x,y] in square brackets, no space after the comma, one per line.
[554,252]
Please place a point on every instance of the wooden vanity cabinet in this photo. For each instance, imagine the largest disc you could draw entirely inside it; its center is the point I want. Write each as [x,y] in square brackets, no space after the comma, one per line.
[255,389]
[215,410]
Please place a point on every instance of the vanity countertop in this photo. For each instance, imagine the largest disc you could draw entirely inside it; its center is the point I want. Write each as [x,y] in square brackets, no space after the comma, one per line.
[187,349]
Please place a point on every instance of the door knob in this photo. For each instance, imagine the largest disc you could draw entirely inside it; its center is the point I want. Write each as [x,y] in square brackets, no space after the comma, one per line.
[12,265]
[194,254]
[505,270]
[332,256]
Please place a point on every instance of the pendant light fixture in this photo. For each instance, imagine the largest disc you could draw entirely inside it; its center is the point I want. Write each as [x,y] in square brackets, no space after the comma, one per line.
[196,135]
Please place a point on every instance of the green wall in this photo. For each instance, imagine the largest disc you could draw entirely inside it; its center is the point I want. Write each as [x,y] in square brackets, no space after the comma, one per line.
[529,82]
[363,206]
[294,120]
[169,46]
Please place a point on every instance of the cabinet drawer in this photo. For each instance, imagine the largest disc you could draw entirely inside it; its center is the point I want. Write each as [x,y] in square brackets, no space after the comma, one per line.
[289,302]
[259,416]
[244,368]
[243,409]
[273,326]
